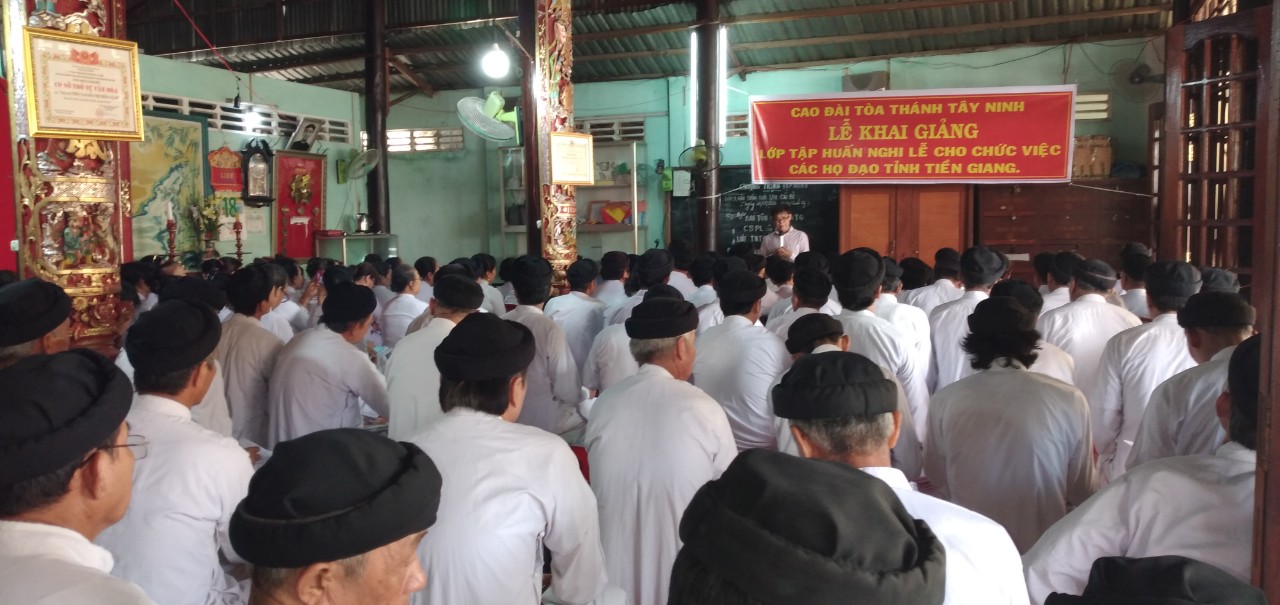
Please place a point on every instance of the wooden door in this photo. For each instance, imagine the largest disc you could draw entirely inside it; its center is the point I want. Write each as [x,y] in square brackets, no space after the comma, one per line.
[867,218]
[941,220]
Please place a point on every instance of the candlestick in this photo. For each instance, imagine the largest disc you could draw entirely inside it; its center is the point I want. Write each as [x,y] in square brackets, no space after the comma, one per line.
[238,226]
[172,228]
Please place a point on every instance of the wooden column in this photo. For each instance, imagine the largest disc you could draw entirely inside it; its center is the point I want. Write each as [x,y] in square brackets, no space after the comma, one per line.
[707,188]
[526,22]
[1266,297]
[552,96]
[376,106]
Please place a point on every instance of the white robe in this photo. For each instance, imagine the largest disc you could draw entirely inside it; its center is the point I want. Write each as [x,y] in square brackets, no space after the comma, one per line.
[493,300]
[1133,364]
[318,383]
[609,361]
[413,381]
[212,412]
[1055,298]
[831,307]
[425,292]
[703,296]
[1181,417]
[249,354]
[184,492]
[1135,301]
[1054,362]
[1012,445]
[983,567]
[619,312]
[781,326]
[49,565]
[611,292]
[949,325]
[554,390]
[911,320]
[932,295]
[735,364]
[681,282]
[397,314]
[278,325]
[710,316]
[581,317]
[1082,329]
[508,491]
[382,294]
[886,345]
[653,441]
[1199,507]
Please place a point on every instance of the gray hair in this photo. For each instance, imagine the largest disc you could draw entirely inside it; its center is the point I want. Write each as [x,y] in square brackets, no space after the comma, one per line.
[11,354]
[267,580]
[849,434]
[646,350]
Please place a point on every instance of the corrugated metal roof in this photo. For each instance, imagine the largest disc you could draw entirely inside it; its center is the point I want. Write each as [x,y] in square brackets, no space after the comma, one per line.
[442,40]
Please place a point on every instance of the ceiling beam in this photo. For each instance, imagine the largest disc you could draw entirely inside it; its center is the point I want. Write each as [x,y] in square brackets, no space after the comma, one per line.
[418,80]
[849,11]
[404,97]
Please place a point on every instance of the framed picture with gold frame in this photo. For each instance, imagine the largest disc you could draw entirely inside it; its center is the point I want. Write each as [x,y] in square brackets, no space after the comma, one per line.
[82,87]
[572,158]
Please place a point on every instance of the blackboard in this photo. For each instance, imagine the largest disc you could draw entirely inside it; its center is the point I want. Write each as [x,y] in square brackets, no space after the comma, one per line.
[744,212]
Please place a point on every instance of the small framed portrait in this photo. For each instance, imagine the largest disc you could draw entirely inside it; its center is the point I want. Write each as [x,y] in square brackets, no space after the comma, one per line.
[305,136]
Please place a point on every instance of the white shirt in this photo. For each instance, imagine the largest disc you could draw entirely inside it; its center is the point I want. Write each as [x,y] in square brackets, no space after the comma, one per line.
[493,299]
[1133,364]
[1054,362]
[382,294]
[508,292]
[296,315]
[425,292]
[1199,507]
[184,492]
[710,316]
[413,381]
[318,383]
[781,326]
[1055,298]
[949,324]
[1012,445]
[983,567]
[554,391]
[249,354]
[831,307]
[703,296]
[397,314]
[212,412]
[735,364]
[653,441]
[932,295]
[1082,328]
[610,360]
[886,345]
[581,317]
[49,565]
[619,312]
[508,490]
[278,324]
[680,281]
[911,320]
[1135,301]
[611,292]
[1181,417]
[794,240]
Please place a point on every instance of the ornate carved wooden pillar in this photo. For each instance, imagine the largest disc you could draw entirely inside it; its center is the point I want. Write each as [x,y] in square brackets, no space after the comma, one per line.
[72,195]
[553,98]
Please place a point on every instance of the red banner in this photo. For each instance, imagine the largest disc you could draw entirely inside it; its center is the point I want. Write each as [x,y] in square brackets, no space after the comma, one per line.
[989,135]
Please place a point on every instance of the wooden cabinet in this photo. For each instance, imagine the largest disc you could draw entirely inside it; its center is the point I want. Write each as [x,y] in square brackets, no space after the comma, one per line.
[905,220]
[1095,218]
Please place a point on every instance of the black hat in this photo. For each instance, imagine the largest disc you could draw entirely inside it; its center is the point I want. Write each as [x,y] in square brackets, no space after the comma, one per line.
[194,289]
[346,302]
[458,292]
[1135,266]
[946,260]
[332,495]
[1064,263]
[1167,580]
[980,265]
[661,317]
[809,329]
[57,408]
[858,272]
[1172,278]
[1243,375]
[915,272]
[1025,293]
[1136,249]
[582,272]
[891,268]
[29,309]
[1216,310]
[813,260]
[811,285]
[723,266]
[1043,263]
[700,269]
[1219,280]
[784,529]
[834,384]
[741,287]
[654,266]
[484,346]
[457,269]
[682,254]
[1000,315]
[176,335]
[1095,273]
[531,274]
[662,291]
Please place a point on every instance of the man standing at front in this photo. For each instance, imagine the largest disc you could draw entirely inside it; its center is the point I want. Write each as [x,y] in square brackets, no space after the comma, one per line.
[653,440]
[785,240]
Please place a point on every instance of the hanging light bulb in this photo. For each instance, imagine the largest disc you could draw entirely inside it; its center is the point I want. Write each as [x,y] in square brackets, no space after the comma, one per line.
[495,64]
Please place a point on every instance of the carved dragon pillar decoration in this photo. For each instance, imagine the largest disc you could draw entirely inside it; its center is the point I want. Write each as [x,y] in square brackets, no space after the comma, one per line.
[72,194]
[553,57]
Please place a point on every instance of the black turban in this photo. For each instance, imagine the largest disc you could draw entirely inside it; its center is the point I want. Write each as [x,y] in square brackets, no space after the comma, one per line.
[811,285]
[484,346]
[332,495]
[1167,580]
[348,302]
[915,272]
[981,265]
[457,269]
[582,272]
[654,266]
[809,329]
[1219,280]
[56,409]
[834,385]
[1172,278]
[1216,310]
[1025,293]
[1243,374]
[724,266]
[531,272]
[195,289]
[813,260]
[1136,249]
[1000,315]
[858,272]
[1135,266]
[1064,263]
[661,318]
[891,267]
[29,309]
[458,292]
[784,529]
[740,287]
[176,335]
[700,269]
[1095,273]
[946,260]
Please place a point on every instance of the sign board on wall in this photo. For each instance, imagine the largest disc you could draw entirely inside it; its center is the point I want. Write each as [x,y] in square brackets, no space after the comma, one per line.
[980,135]
[82,87]
[572,159]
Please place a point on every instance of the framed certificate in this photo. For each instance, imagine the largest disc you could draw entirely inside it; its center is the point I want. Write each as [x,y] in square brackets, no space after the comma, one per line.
[82,87]
[572,159]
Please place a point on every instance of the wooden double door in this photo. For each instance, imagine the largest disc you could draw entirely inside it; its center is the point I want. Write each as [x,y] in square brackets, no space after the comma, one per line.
[906,220]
